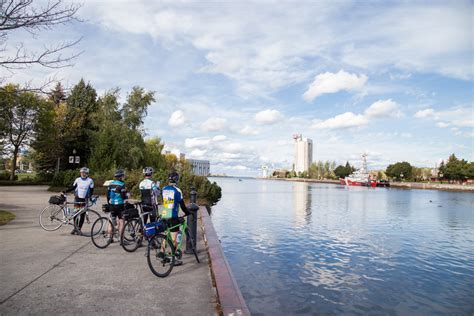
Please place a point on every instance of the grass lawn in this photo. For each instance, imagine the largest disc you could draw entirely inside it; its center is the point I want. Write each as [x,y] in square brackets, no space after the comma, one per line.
[5,217]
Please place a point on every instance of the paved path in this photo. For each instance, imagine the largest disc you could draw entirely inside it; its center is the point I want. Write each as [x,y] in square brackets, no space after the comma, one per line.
[54,272]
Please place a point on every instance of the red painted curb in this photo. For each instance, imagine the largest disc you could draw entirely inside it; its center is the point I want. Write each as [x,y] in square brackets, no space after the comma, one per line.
[228,292]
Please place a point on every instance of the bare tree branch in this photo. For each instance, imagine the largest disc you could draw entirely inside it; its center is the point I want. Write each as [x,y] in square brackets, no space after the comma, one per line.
[24,15]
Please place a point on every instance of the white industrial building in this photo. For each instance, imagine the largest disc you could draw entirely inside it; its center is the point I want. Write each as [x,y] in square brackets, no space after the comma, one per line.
[303,153]
[200,167]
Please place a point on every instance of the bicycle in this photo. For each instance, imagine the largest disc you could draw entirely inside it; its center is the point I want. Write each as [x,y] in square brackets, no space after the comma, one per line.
[133,231]
[100,235]
[161,253]
[58,213]
[104,229]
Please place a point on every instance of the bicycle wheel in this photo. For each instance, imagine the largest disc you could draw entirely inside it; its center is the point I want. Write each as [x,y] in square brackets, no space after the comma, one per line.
[51,217]
[132,235]
[102,232]
[193,244]
[90,216]
[160,255]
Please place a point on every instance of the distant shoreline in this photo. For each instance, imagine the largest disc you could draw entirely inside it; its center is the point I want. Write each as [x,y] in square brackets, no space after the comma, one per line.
[398,185]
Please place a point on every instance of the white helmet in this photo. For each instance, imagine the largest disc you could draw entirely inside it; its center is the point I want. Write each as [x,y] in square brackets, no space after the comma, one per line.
[85,170]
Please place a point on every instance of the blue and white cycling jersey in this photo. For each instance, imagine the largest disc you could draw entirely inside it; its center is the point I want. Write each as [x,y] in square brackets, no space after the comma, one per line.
[172,196]
[116,193]
[83,187]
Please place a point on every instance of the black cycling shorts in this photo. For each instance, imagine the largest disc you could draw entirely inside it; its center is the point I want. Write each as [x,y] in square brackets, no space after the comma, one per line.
[117,210]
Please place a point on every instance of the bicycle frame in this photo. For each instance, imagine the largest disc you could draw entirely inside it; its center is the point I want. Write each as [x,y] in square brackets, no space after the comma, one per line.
[182,228]
[77,211]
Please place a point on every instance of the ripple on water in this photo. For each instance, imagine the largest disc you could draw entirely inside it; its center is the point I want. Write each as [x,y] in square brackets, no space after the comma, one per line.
[321,249]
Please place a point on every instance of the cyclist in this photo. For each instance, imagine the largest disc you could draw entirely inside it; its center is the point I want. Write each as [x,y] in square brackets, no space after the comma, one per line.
[83,188]
[116,196]
[172,200]
[149,191]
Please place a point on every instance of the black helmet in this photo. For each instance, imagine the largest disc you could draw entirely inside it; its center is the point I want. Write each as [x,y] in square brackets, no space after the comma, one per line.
[119,173]
[173,177]
[148,171]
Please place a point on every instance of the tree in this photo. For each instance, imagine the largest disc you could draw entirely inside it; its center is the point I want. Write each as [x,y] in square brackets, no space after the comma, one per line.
[25,15]
[153,156]
[468,171]
[400,171]
[455,169]
[135,109]
[18,115]
[57,95]
[341,172]
[81,106]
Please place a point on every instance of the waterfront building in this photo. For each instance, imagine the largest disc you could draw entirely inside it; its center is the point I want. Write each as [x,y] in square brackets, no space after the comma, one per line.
[303,153]
[200,167]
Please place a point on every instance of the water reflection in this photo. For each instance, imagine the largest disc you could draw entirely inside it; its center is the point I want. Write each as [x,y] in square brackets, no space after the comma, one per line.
[299,248]
[302,203]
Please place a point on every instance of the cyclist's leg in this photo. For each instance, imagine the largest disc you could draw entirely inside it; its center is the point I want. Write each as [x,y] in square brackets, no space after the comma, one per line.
[79,220]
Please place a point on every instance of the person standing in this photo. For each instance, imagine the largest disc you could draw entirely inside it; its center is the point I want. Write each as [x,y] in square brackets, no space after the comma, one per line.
[149,191]
[172,201]
[116,196]
[83,188]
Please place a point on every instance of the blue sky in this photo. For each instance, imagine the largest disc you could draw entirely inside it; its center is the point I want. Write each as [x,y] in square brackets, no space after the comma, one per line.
[235,80]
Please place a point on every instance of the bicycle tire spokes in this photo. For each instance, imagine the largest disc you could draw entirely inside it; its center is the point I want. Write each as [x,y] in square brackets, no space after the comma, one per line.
[160,255]
[51,217]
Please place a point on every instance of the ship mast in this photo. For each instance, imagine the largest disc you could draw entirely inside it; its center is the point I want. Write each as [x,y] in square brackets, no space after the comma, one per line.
[364,163]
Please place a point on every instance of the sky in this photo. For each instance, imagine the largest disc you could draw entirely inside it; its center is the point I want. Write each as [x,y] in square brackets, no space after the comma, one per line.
[235,80]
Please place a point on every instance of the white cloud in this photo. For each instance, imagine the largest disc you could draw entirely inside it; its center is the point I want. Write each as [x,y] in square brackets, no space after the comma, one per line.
[177,119]
[233,148]
[345,120]
[214,124]
[442,124]
[334,82]
[459,116]
[196,142]
[379,109]
[219,138]
[425,113]
[267,117]
[248,130]
[240,167]
[383,108]
[197,153]
[464,122]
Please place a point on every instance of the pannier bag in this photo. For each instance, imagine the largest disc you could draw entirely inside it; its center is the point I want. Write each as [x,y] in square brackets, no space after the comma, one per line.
[130,213]
[154,228]
[105,208]
[57,199]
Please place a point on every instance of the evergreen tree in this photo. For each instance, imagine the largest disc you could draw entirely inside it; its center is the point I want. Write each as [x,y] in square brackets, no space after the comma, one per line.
[82,103]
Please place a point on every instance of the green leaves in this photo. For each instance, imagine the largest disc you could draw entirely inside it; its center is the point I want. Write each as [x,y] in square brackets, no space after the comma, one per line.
[400,171]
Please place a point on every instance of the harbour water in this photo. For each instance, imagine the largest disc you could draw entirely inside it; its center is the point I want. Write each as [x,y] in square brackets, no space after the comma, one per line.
[307,248]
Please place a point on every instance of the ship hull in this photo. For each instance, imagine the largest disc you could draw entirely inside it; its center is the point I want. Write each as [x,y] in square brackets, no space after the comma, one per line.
[356,183]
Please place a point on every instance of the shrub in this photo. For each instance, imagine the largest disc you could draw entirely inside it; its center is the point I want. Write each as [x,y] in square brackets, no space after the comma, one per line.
[6,176]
